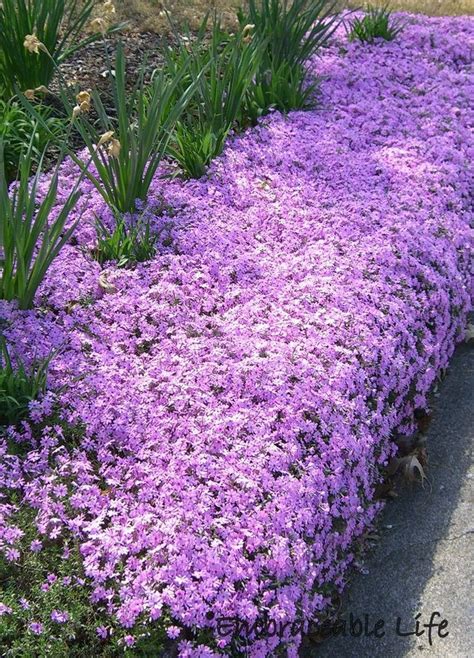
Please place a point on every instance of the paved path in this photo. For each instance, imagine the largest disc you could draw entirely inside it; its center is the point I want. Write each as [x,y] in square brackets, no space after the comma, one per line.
[425,558]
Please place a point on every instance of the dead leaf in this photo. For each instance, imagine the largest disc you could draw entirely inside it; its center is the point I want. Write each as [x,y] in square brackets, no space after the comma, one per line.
[412,469]
[469,335]
[105,285]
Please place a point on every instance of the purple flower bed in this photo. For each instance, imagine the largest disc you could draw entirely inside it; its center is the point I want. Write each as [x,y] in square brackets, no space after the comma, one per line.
[238,395]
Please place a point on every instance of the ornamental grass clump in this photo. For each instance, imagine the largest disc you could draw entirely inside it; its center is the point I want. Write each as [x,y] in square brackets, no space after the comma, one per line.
[294,32]
[285,87]
[19,384]
[129,139]
[30,235]
[18,127]
[127,243]
[378,23]
[37,35]
[127,145]
[230,64]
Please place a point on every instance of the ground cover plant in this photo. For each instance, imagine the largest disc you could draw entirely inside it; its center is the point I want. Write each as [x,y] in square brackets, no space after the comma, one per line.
[226,406]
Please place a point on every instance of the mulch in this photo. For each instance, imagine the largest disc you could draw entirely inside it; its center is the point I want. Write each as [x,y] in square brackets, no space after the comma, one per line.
[88,67]
[88,70]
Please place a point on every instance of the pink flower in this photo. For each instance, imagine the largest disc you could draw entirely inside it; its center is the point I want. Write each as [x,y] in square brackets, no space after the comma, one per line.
[173,632]
[12,554]
[234,398]
[102,632]
[60,617]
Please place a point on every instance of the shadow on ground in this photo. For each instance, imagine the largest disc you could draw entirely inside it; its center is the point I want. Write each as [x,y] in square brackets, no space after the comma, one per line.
[424,560]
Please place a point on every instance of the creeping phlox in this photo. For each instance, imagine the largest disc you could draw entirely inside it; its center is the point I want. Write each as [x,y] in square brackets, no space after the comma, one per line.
[238,393]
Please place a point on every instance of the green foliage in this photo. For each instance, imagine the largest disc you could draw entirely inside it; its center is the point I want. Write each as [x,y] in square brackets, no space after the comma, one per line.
[285,88]
[5,85]
[17,128]
[58,24]
[29,241]
[37,584]
[32,598]
[127,245]
[378,23]
[230,64]
[130,138]
[19,385]
[294,32]
[194,147]
[142,128]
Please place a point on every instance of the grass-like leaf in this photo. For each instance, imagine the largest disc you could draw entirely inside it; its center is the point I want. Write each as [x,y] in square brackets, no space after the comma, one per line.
[378,23]
[29,240]
[139,126]
[58,24]
[19,384]
[294,32]
[230,64]
[17,128]
[295,29]
[125,244]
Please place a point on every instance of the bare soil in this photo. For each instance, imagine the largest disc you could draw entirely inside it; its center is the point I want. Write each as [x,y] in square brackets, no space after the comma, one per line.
[149,15]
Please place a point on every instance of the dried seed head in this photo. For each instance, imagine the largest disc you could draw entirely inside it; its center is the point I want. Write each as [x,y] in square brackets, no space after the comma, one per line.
[247,29]
[105,285]
[114,148]
[83,97]
[29,94]
[108,8]
[106,137]
[33,44]
[99,25]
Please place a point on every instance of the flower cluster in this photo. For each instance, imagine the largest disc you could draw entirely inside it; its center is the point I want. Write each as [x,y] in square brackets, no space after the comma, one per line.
[238,394]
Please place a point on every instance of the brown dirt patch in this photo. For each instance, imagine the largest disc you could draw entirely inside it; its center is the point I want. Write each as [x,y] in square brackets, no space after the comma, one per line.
[148,15]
